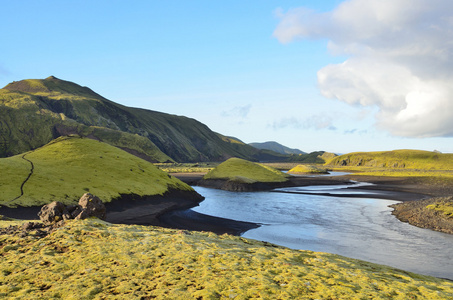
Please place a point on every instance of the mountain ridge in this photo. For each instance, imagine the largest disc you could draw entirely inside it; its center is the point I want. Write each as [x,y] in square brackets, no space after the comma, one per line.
[35,111]
[277,147]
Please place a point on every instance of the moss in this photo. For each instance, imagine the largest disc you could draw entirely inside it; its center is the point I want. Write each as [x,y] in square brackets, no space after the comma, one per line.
[443,206]
[66,168]
[308,169]
[92,259]
[397,159]
[240,170]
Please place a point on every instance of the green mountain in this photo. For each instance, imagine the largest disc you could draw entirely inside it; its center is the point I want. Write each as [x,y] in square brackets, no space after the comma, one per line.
[35,111]
[276,147]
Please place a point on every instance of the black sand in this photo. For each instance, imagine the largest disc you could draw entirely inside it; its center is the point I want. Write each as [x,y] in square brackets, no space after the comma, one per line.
[173,211]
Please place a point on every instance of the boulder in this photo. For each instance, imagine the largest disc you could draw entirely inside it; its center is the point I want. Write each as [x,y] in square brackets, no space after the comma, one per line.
[89,206]
[53,212]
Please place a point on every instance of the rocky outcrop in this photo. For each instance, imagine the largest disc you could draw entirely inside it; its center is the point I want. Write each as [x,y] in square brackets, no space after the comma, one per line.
[89,206]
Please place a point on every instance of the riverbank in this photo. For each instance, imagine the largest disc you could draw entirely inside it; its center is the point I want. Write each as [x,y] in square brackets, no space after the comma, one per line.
[170,211]
[419,213]
[128,209]
[390,188]
[415,193]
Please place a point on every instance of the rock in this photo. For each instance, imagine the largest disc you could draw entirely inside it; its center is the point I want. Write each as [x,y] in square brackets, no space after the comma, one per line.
[74,210]
[53,212]
[31,226]
[91,206]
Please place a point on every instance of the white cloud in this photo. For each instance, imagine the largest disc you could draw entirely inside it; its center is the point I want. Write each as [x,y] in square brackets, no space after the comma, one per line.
[312,122]
[238,111]
[400,59]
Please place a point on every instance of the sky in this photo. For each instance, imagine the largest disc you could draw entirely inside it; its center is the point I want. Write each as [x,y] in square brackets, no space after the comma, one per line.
[337,76]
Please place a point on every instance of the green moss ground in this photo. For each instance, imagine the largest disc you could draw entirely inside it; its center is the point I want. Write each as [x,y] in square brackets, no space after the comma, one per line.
[308,169]
[91,259]
[68,167]
[444,205]
[397,159]
[432,167]
[240,170]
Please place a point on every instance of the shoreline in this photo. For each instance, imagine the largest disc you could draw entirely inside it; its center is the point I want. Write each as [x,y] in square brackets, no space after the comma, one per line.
[389,188]
[397,189]
[411,191]
[173,210]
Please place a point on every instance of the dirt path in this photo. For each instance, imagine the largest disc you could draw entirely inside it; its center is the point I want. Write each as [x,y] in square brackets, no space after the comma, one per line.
[26,179]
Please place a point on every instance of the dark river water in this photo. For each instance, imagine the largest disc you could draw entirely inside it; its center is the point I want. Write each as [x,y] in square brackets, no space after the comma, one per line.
[360,228]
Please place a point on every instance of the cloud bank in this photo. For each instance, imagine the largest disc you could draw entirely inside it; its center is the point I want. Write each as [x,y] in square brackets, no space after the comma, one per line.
[399,59]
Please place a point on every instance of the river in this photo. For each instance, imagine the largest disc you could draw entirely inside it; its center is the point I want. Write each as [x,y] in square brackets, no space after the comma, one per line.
[361,228]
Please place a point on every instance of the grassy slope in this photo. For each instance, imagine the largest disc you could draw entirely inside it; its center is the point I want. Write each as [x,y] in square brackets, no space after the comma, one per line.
[91,259]
[316,157]
[68,167]
[33,112]
[304,169]
[28,121]
[397,163]
[409,159]
[237,169]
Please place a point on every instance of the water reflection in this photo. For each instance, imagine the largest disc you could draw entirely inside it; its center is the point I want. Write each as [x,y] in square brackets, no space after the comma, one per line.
[361,228]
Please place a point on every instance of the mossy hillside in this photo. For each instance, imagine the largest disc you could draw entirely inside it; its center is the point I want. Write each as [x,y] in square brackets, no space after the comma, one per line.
[308,169]
[242,150]
[240,170]
[23,124]
[27,123]
[51,85]
[132,143]
[41,108]
[316,157]
[91,259]
[397,159]
[13,172]
[68,167]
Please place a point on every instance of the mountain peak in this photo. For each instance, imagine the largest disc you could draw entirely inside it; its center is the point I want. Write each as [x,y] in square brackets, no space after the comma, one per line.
[50,85]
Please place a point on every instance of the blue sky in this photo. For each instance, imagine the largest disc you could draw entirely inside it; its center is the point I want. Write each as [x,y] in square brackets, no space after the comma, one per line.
[338,76]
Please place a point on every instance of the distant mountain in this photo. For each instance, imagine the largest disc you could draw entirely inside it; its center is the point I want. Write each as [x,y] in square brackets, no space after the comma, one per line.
[276,147]
[35,111]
